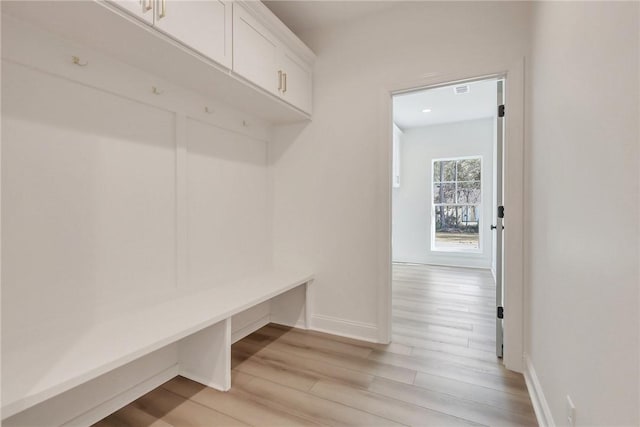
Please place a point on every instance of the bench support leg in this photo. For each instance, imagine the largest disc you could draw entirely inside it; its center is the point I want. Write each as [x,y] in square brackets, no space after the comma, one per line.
[205,356]
[292,308]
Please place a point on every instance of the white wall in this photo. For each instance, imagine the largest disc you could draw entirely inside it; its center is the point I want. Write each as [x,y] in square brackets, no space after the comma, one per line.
[229,225]
[412,216]
[90,196]
[582,206]
[330,204]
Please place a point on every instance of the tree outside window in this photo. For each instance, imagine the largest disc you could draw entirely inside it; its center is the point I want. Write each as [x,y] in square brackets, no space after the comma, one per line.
[457,197]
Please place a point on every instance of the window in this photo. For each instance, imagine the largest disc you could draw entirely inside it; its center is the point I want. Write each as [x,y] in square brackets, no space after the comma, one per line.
[457,203]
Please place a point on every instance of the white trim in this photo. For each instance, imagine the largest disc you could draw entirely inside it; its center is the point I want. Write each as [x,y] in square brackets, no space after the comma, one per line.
[182,201]
[110,406]
[344,328]
[463,262]
[385,254]
[540,405]
[513,197]
[513,200]
[250,328]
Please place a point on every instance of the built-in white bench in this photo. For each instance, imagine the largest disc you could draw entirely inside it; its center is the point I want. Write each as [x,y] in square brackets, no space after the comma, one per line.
[194,330]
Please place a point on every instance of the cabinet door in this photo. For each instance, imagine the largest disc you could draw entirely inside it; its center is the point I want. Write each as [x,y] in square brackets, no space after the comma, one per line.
[204,26]
[296,88]
[255,51]
[141,9]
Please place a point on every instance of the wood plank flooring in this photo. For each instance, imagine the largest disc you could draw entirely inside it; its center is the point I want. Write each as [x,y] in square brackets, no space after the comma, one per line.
[440,369]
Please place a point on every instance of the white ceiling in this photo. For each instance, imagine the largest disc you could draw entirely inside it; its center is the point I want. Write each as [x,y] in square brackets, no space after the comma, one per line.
[308,15]
[303,16]
[445,105]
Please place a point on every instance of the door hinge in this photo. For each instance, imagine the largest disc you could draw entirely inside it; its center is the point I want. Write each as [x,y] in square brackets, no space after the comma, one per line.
[500,312]
[501,110]
[500,211]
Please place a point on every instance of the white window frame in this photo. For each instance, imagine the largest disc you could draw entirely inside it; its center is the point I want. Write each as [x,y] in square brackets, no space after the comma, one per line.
[433,206]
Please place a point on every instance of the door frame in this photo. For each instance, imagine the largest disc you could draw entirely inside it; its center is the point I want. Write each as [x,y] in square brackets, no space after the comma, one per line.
[513,191]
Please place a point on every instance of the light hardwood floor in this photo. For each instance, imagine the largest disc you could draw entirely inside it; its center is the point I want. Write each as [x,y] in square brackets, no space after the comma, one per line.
[439,370]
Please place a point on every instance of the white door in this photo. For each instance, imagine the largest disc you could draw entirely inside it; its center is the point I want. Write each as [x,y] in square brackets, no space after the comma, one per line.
[498,227]
[204,26]
[296,81]
[142,9]
[255,52]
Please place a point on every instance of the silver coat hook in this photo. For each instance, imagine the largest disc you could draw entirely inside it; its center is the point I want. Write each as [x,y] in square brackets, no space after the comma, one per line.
[156,91]
[76,61]
[208,110]
[245,124]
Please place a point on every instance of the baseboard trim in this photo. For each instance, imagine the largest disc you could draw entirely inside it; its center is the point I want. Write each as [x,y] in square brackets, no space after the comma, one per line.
[110,406]
[440,264]
[540,405]
[462,262]
[298,325]
[344,328]
[202,380]
[250,328]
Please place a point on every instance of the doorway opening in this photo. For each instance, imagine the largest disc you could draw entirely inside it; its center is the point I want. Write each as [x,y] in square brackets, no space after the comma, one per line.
[446,218]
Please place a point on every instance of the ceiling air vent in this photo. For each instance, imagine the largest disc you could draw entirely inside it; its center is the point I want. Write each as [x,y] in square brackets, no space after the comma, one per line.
[459,90]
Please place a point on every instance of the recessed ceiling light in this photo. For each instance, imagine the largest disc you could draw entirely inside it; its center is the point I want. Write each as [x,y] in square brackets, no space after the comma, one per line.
[426,110]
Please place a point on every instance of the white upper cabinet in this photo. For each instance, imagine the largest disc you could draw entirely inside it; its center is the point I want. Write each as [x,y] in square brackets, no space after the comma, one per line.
[265,55]
[142,9]
[255,51]
[180,40]
[296,80]
[204,26]
[243,36]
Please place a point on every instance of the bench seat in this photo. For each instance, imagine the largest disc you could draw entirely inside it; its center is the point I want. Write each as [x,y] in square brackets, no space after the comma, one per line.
[57,357]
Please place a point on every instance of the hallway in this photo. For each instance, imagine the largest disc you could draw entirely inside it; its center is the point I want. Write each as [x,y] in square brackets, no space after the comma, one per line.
[447,316]
[448,305]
